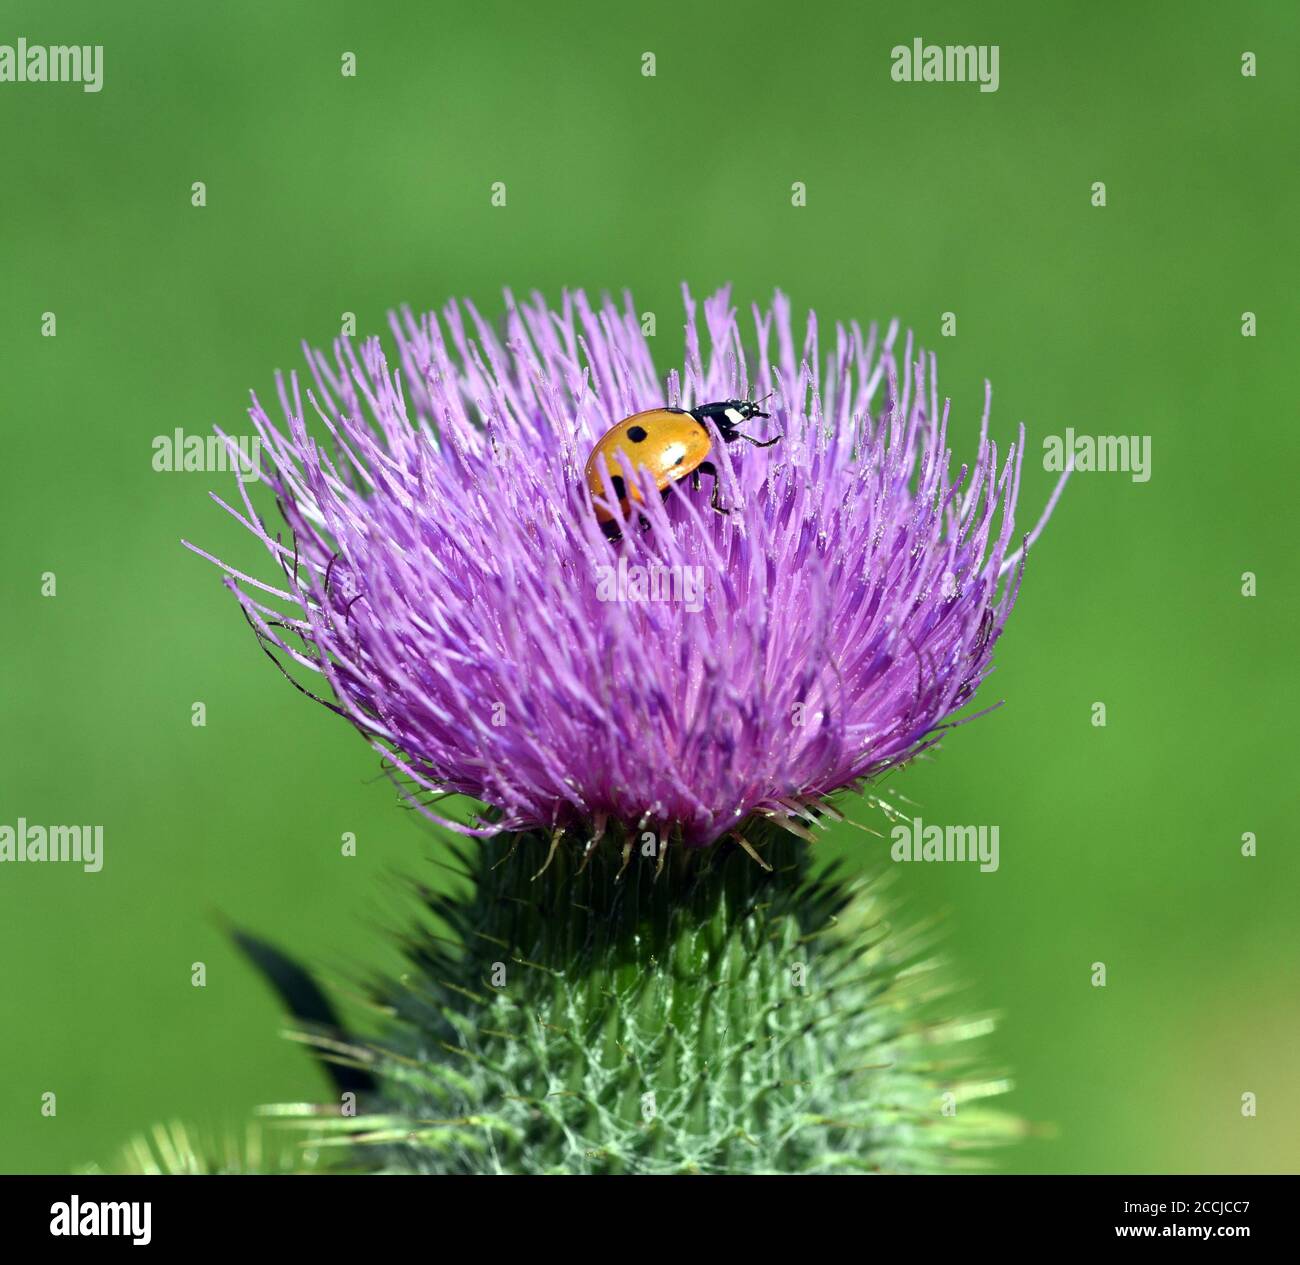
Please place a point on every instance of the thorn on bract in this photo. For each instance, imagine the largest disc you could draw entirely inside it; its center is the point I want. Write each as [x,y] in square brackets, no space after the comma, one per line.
[663,855]
[749,848]
[597,835]
[550,856]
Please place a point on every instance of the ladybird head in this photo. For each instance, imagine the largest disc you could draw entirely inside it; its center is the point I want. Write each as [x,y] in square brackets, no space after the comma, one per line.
[747,409]
[735,413]
[729,415]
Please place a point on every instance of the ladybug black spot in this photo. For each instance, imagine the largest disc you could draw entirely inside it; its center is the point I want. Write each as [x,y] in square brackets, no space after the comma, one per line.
[620,488]
[636,433]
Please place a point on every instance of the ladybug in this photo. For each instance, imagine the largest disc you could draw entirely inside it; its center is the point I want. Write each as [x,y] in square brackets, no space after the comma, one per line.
[669,442]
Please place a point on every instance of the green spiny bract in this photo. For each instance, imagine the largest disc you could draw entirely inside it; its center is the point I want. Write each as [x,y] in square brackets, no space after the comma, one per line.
[693,1013]
[181,1150]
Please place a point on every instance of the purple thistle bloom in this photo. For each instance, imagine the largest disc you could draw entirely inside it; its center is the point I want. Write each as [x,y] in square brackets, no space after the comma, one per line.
[447,577]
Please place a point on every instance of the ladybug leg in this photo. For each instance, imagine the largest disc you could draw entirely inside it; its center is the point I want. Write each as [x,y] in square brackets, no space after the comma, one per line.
[707,467]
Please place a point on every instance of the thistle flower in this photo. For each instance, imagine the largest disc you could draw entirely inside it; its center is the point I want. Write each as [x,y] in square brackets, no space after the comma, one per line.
[446,575]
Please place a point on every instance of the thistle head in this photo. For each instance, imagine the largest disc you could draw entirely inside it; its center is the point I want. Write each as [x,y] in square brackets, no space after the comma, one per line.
[445,584]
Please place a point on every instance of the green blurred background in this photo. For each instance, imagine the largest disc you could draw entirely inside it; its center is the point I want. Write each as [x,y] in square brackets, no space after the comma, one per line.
[328,194]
